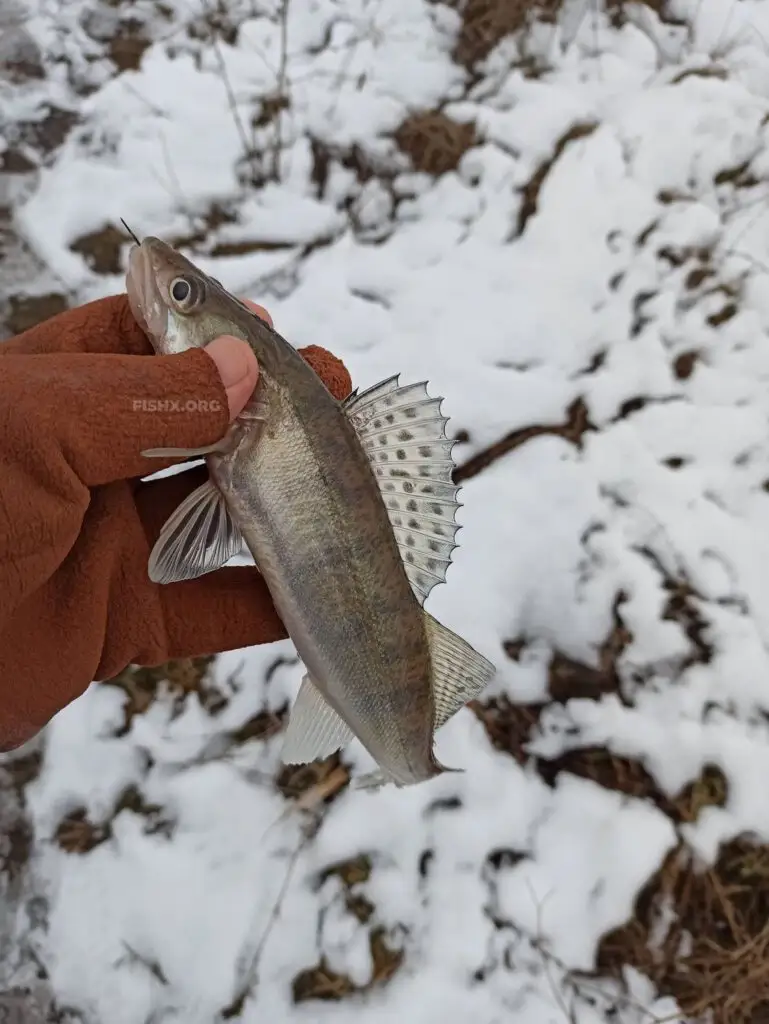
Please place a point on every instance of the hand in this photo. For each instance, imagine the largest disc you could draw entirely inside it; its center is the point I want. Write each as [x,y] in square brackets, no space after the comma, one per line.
[79,402]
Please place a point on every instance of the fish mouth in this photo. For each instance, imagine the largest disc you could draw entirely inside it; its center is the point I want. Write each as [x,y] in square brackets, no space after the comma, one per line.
[144,297]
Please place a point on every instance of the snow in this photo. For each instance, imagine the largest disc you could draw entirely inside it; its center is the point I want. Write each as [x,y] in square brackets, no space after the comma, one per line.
[640,239]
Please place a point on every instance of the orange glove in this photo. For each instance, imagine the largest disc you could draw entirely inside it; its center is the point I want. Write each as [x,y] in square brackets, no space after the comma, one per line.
[77,524]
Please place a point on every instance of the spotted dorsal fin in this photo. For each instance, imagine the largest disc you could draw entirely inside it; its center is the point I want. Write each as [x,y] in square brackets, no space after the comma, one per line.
[403,432]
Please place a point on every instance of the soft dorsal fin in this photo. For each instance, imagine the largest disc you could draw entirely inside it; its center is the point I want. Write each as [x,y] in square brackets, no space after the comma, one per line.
[403,432]
[460,673]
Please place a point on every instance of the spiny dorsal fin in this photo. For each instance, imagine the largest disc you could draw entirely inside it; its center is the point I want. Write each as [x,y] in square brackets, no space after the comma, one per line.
[403,432]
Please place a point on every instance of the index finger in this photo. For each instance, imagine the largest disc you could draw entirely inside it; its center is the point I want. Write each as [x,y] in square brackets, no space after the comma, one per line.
[103,326]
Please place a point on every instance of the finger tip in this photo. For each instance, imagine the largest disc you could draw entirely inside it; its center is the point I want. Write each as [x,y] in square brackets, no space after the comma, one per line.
[238,370]
[260,311]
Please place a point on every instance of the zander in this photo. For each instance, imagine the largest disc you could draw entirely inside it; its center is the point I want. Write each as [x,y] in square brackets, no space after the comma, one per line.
[348,509]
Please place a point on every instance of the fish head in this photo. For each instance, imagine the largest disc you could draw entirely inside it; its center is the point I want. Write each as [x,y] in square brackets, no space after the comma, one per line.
[176,304]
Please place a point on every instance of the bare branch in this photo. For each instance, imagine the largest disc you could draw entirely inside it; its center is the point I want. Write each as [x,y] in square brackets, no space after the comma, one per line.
[281,91]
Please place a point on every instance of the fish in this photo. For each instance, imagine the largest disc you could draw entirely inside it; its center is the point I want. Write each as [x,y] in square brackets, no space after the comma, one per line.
[348,509]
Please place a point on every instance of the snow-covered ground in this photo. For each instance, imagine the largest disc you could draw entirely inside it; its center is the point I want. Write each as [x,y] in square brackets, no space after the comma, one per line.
[604,240]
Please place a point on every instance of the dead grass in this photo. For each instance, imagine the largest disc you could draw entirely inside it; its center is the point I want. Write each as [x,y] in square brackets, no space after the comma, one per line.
[323,780]
[199,238]
[350,872]
[321,982]
[102,250]
[204,225]
[573,429]
[435,143]
[260,726]
[215,22]
[530,192]
[77,834]
[701,934]
[27,311]
[30,144]
[714,956]
[628,776]
[485,23]
[270,109]
[309,787]
[16,831]
[510,726]
[128,46]
[142,686]
[365,167]
[40,135]
[128,33]
[22,58]
[684,364]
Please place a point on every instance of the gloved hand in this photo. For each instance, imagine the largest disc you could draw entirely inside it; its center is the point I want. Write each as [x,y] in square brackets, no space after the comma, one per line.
[77,524]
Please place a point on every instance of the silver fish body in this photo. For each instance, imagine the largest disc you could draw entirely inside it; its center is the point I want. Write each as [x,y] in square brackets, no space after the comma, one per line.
[320,491]
[311,514]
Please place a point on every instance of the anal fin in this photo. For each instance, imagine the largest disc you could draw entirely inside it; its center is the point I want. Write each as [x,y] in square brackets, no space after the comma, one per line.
[314,730]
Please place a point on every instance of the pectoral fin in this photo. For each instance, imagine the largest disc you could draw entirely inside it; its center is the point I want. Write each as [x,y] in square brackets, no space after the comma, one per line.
[198,538]
[254,414]
[314,730]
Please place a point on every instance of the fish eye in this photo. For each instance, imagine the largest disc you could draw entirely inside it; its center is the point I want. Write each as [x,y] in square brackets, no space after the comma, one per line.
[186,293]
[180,289]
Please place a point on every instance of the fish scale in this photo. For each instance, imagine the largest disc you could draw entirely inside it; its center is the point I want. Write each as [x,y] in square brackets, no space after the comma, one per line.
[348,509]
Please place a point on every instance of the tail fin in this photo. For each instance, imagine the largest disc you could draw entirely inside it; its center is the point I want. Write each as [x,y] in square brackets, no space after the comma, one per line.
[459,675]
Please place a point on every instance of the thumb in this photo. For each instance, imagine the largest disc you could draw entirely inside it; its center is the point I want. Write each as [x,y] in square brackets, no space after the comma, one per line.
[238,370]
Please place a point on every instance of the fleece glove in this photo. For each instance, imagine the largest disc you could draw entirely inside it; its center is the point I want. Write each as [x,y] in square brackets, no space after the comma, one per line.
[81,395]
